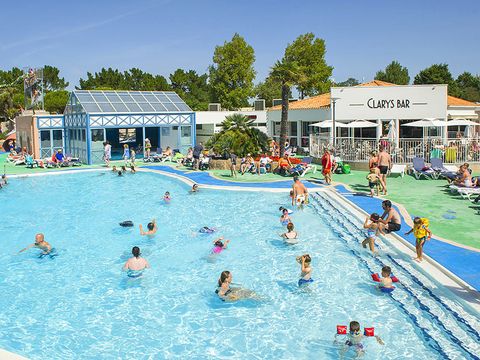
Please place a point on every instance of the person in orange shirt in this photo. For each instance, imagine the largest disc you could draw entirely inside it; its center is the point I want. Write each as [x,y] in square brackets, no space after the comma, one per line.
[327,166]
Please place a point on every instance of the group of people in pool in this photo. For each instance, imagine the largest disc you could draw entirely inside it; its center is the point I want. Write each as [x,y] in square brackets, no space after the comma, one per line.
[123,170]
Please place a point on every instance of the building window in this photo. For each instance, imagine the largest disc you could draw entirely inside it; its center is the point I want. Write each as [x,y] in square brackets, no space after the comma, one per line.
[293,128]
[198,126]
[126,135]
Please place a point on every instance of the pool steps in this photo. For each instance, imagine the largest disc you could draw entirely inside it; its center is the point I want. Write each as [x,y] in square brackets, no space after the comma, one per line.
[450,330]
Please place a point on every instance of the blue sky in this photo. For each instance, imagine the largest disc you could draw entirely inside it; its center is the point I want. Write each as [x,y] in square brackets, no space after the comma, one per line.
[362,36]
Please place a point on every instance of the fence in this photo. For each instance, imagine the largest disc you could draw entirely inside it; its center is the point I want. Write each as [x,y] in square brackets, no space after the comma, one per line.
[359,149]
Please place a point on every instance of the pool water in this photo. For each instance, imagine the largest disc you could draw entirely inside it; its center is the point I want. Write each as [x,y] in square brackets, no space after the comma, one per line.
[80,305]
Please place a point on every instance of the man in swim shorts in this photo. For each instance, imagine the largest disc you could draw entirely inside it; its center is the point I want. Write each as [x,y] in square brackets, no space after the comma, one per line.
[390,218]
[39,243]
[384,164]
[300,192]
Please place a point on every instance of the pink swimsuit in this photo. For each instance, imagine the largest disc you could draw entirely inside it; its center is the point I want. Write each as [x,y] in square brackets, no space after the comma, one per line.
[217,249]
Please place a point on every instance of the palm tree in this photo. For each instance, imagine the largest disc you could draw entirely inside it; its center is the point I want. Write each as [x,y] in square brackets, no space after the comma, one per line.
[239,135]
[288,73]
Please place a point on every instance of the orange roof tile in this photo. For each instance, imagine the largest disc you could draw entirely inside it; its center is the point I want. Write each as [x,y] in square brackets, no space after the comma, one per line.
[323,100]
[454,101]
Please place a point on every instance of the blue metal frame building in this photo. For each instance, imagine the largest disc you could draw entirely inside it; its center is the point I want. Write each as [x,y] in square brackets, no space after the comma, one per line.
[94,116]
[51,134]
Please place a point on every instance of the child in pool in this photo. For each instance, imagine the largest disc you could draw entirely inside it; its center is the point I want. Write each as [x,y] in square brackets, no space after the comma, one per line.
[219,245]
[167,197]
[306,274]
[285,218]
[152,228]
[114,169]
[132,169]
[422,233]
[291,233]
[373,229]
[386,280]
[281,208]
[124,169]
[355,338]
[194,188]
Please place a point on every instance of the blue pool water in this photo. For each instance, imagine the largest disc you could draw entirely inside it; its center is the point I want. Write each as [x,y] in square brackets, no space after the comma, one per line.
[80,305]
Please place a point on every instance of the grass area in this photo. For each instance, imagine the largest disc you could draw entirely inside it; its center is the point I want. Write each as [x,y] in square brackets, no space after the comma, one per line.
[430,199]
[425,198]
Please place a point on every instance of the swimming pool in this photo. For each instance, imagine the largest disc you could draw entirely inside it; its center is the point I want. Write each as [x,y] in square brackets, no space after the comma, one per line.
[80,304]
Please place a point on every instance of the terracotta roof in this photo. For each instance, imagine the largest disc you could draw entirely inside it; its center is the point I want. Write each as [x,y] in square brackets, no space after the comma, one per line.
[323,100]
[454,101]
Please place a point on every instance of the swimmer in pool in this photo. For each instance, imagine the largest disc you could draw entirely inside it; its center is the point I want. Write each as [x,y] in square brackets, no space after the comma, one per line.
[119,172]
[219,245]
[355,338]
[136,264]
[291,234]
[281,208]
[306,274]
[114,169]
[194,188]
[226,293]
[132,169]
[386,280]
[152,228]
[41,244]
[167,197]
[285,218]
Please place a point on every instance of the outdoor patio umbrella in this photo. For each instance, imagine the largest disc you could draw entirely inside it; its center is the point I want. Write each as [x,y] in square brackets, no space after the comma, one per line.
[462,122]
[392,132]
[326,124]
[360,124]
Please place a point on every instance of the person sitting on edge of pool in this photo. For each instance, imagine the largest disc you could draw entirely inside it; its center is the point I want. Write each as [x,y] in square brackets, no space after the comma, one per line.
[151,226]
[390,218]
[136,264]
[39,243]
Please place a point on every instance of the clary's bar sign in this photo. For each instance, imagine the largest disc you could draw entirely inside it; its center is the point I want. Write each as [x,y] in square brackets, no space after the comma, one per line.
[388,103]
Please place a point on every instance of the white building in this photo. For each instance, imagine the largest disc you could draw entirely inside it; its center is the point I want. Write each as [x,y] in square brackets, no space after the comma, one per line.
[208,122]
[388,107]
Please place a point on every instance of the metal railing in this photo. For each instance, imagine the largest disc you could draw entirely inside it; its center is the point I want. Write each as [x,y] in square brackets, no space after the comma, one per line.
[359,149]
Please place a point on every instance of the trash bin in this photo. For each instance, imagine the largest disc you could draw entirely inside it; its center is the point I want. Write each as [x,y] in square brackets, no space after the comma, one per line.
[346,168]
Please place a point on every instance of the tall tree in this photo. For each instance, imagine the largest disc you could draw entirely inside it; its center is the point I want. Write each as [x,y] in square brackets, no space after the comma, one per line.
[438,74]
[288,73]
[394,73]
[52,80]
[232,73]
[55,101]
[309,54]
[111,78]
[348,82]
[269,89]
[192,88]
[469,86]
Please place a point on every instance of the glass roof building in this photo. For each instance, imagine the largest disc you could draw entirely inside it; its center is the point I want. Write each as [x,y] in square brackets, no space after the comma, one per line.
[125,117]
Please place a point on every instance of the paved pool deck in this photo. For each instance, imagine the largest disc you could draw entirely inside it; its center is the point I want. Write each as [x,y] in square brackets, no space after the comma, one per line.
[204,178]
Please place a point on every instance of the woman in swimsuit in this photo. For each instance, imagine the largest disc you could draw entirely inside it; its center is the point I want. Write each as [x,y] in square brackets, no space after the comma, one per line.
[226,293]
[285,218]
[291,234]
[136,264]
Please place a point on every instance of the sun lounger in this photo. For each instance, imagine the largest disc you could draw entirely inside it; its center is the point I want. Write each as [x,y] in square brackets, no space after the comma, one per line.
[441,170]
[398,169]
[308,166]
[465,192]
[420,169]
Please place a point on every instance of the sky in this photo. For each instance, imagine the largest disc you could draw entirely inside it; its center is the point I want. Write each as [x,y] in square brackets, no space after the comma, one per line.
[159,36]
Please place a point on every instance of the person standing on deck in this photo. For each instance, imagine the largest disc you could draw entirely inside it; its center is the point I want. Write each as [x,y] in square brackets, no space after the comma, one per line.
[384,165]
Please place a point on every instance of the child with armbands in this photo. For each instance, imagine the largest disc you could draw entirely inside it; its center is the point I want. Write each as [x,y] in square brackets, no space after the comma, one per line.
[385,283]
[355,337]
